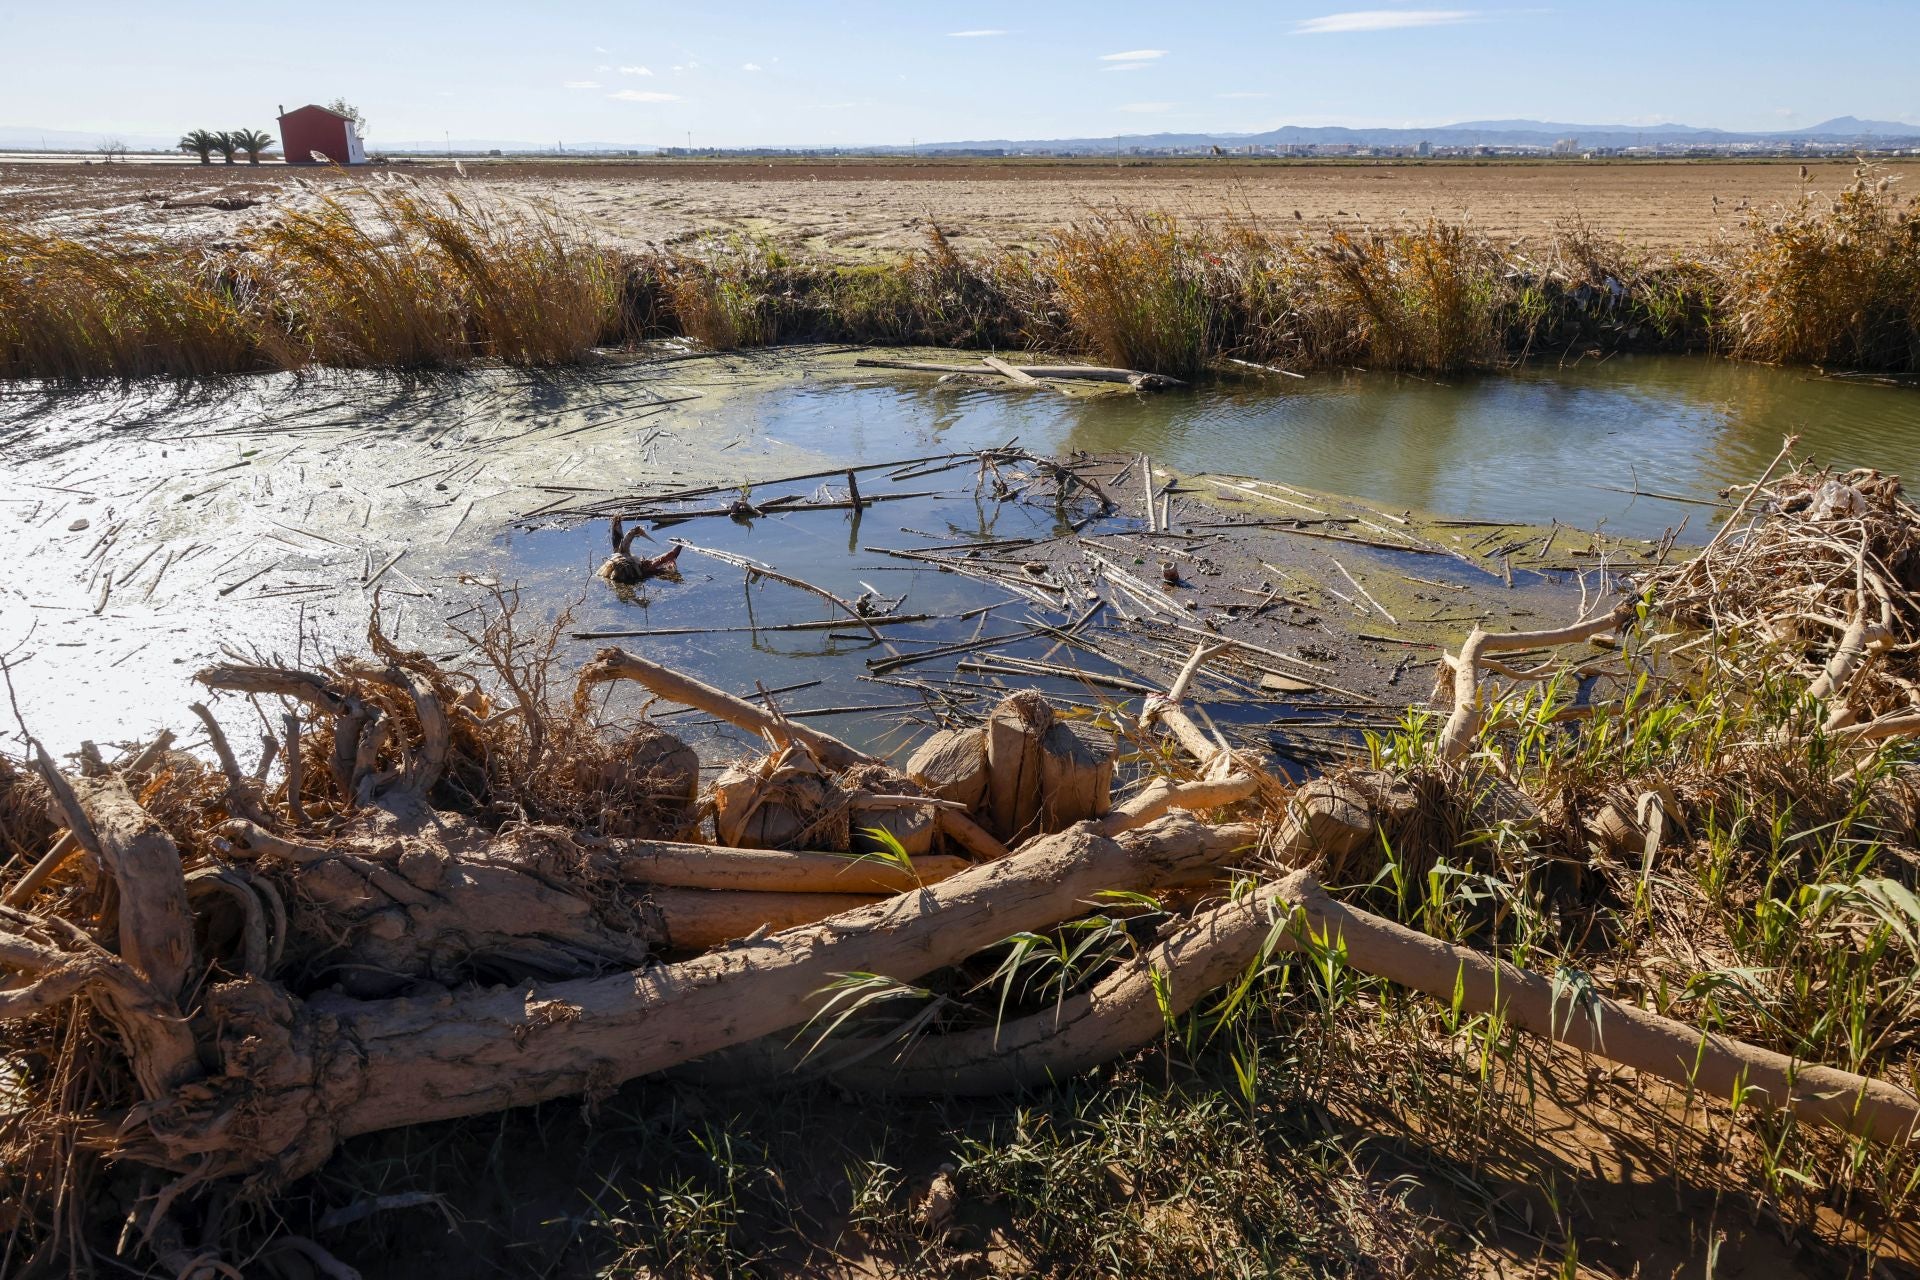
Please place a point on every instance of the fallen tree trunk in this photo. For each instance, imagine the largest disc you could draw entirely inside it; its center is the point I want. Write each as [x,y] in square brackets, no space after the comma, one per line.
[704,866]
[1130,1008]
[700,919]
[298,1077]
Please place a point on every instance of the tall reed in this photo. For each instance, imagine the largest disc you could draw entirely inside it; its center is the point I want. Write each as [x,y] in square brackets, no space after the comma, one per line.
[1132,289]
[395,274]
[75,309]
[533,290]
[415,277]
[1830,279]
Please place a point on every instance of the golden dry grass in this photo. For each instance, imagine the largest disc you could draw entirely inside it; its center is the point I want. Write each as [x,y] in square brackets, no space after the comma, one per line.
[410,276]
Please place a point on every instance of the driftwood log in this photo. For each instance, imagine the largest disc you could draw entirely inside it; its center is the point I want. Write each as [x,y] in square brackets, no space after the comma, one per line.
[1030,373]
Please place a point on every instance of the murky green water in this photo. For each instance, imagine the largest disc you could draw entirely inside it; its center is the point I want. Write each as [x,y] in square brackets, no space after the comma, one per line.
[148,529]
[1532,445]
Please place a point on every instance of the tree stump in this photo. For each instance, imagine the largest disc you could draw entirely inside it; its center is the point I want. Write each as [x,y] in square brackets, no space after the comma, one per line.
[952,765]
[1015,747]
[1076,774]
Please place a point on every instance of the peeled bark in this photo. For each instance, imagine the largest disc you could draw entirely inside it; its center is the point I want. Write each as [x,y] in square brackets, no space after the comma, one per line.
[300,1076]
[705,866]
[1465,720]
[617,664]
[156,923]
[697,919]
[1124,1011]
[952,764]
[1015,730]
[1161,796]
[1722,1067]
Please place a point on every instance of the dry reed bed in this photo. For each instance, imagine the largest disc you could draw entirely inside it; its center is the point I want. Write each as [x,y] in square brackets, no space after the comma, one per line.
[410,275]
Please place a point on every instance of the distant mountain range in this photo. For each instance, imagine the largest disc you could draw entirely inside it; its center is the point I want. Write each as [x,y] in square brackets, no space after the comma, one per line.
[1486,133]
[1470,133]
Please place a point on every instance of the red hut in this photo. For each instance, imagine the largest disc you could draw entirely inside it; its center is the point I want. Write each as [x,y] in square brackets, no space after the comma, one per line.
[319,135]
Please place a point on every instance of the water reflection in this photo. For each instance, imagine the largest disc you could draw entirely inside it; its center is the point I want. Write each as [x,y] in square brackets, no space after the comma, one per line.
[1531,445]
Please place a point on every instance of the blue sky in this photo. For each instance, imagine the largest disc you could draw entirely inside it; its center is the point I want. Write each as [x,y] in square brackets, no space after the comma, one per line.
[821,72]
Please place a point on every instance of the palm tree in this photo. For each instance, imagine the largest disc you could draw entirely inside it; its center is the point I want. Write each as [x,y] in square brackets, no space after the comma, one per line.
[223,143]
[251,141]
[201,143]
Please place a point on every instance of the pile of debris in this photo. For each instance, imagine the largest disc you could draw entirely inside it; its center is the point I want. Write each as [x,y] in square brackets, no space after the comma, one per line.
[447,901]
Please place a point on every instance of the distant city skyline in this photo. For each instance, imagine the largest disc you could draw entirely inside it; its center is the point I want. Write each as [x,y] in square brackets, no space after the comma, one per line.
[730,75]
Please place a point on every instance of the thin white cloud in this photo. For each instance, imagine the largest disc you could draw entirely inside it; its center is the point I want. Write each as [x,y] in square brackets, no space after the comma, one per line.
[598,49]
[581,84]
[1382,20]
[975,35]
[1243,95]
[749,66]
[643,95]
[1134,55]
[1128,66]
[636,71]
[1147,108]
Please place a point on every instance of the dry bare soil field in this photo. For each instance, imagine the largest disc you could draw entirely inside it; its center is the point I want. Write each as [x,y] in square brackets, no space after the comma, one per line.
[861,208]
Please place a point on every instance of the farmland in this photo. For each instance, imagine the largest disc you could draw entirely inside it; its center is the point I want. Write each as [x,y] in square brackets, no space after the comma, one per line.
[854,209]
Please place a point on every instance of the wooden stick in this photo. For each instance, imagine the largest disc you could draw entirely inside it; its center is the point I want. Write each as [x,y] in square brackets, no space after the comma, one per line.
[618,664]
[701,919]
[969,835]
[1006,370]
[1088,372]
[1786,447]
[51,861]
[1368,595]
[290,724]
[828,624]
[1465,721]
[755,569]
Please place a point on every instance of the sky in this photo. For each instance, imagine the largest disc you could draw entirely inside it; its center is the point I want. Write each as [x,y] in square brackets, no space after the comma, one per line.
[715,73]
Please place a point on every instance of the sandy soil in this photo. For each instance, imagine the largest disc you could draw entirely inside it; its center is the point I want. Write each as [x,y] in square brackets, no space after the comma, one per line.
[862,209]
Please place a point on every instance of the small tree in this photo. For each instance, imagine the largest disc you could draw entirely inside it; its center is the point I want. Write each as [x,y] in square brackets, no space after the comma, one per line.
[251,141]
[223,143]
[352,113]
[113,149]
[201,143]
